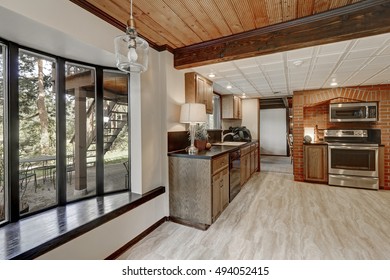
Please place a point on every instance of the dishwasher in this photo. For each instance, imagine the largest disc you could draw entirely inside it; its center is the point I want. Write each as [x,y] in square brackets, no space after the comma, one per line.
[234,173]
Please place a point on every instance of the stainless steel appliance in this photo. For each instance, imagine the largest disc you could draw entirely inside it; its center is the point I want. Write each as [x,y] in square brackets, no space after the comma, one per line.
[235,173]
[353,112]
[353,157]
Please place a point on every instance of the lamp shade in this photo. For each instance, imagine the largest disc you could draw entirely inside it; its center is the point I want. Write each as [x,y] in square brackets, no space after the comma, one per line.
[193,113]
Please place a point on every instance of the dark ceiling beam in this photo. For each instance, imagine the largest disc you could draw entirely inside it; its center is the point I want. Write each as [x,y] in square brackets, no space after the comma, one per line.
[366,18]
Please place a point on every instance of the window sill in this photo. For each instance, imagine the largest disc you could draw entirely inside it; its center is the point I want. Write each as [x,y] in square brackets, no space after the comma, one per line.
[35,235]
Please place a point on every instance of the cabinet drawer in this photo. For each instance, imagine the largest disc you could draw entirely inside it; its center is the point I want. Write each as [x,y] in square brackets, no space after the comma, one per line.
[220,163]
[245,150]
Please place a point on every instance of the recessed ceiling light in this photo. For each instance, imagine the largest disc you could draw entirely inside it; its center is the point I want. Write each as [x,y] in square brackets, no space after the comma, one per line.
[333,84]
[229,86]
[211,75]
[298,62]
[243,95]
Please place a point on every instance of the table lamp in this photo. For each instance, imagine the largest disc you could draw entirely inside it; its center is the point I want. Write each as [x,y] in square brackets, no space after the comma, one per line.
[193,113]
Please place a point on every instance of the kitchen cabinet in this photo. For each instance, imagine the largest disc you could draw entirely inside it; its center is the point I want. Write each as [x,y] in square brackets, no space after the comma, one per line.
[220,192]
[315,157]
[198,189]
[231,107]
[245,164]
[198,89]
[254,158]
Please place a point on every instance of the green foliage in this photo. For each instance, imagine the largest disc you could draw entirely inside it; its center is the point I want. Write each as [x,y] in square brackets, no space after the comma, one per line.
[201,132]
[30,125]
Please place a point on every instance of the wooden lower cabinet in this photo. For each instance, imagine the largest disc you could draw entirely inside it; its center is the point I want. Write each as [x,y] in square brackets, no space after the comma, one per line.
[249,162]
[315,159]
[220,192]
[198,189]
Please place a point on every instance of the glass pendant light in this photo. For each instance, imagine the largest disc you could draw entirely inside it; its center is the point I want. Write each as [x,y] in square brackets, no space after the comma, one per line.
[131,51]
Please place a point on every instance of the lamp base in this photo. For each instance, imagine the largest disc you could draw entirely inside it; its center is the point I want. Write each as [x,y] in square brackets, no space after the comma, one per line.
[192,150]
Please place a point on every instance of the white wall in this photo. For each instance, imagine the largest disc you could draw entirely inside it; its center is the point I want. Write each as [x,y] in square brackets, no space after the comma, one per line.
[273,132]
[102,241]
[250,116]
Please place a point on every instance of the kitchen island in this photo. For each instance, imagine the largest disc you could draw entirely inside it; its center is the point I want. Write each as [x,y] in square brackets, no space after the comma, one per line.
[199,185]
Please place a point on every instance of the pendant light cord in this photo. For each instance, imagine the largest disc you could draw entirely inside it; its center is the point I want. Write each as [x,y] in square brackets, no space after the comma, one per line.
[131,8]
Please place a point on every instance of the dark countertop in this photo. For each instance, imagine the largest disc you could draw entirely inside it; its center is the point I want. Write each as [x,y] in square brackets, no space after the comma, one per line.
[317,143]
[215,151]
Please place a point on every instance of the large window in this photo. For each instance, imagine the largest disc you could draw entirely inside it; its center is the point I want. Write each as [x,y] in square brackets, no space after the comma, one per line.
[37,132]
[115,131]
[2,95]
[81,149]
[63,131]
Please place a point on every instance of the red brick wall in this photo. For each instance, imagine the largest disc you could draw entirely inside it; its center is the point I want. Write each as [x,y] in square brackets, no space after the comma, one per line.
[312,108]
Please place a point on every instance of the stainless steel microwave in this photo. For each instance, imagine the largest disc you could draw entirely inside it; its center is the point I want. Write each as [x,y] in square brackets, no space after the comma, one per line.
[353,112]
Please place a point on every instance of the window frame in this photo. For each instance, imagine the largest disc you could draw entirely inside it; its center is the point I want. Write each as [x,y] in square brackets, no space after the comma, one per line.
[11,132]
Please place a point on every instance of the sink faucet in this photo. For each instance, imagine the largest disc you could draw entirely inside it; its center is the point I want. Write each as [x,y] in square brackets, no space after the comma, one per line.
[224,135]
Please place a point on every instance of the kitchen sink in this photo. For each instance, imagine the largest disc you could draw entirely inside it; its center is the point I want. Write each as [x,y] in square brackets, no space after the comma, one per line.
[227,143]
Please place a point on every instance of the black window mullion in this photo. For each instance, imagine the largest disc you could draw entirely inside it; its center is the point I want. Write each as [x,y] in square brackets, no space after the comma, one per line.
[13,132]
[61,132]
[99,133]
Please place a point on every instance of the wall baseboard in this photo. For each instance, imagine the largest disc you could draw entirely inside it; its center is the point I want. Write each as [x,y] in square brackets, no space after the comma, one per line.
[135,240]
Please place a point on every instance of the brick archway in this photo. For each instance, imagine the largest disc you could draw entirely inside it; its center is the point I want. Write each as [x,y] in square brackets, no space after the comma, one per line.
[315,103]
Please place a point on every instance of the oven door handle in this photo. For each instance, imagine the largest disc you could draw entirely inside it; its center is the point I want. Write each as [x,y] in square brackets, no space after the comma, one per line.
[353,148]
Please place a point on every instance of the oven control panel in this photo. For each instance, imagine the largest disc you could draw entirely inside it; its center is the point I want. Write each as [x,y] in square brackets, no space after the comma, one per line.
[345,133]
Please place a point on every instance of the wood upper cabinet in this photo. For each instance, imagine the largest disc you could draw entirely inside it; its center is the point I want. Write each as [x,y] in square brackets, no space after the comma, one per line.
[198,89]
[315,159]
[231,107]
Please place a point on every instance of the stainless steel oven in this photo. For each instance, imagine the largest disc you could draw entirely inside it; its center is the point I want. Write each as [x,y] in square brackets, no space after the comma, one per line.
[352,159]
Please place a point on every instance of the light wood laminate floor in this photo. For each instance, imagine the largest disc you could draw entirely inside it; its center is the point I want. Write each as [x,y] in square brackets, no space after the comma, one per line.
[274,217]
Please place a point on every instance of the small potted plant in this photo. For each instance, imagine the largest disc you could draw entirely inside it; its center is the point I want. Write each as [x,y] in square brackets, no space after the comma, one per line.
[201,136]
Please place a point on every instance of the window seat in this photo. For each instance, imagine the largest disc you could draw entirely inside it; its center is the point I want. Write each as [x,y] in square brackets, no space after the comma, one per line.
[37,234]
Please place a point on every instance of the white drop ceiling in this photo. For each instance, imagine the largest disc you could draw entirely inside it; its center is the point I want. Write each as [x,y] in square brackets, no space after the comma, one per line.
[364,61]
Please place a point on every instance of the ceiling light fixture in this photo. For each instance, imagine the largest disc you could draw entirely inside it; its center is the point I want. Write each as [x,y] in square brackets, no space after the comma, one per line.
[211,75]
[333,83]
[131,51]
[229,86]
[243,95]
[298,63]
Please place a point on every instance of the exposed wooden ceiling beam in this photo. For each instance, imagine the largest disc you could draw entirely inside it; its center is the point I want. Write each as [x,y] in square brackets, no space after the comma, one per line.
[362,19]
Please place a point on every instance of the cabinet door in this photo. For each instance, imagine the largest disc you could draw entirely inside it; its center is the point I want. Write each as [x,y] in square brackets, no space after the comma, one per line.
[209,97]
[225,188]
[257,159]
[243,170]
[217,195]
[252,169]
[316,163]
[204,93]
[237,108]
[198,89]
[247,167]
[200,96]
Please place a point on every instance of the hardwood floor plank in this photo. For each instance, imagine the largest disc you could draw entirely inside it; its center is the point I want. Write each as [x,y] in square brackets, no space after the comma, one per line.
[274,217]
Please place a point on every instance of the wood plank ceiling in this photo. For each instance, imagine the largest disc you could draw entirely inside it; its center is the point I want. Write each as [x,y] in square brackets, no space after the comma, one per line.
[200,32]
[180,23]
